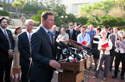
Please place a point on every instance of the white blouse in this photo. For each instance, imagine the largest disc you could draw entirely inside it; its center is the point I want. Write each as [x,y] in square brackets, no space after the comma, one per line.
[107,51]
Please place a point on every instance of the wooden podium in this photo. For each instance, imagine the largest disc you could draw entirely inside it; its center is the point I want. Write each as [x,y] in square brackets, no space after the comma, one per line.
[72,72]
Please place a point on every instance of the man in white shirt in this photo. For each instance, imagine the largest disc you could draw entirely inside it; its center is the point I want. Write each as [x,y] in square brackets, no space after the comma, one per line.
[83,37]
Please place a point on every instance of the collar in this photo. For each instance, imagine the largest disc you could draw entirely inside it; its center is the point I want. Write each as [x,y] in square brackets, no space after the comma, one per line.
[44,29]
[71,29]
[28,33]
[2,29]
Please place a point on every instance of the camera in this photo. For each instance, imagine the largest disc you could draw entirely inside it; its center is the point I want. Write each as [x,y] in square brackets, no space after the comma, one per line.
[118,39]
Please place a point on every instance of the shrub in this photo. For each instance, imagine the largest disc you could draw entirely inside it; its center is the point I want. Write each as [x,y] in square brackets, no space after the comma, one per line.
[4,13]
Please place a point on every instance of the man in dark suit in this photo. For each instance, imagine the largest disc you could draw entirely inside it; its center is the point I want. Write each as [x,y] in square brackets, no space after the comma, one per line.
[6,50]
[71,32]
[42,50]
[24,49]
[55,33]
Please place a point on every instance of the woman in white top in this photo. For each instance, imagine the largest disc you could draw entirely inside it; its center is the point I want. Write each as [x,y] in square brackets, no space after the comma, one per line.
[104,46]
[95,43]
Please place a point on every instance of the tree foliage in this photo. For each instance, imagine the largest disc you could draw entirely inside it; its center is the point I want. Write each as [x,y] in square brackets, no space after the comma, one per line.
[82,20]
[1,5]
[106,20]
[4,13]
[33,7]
[102,5]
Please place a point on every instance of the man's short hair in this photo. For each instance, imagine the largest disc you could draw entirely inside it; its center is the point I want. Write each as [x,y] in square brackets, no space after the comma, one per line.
[83,27]
[106,27]
[109,28]
[28,21]
[117,27]
[63,29]
[2,19]
[45,14]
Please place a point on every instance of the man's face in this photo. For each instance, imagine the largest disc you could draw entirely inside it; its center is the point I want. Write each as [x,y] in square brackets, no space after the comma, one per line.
[54,28]
[62,31]
[49,22]
[30,26]
[91,27]
[4,23]
[115,30]
[83,30]
[71,25]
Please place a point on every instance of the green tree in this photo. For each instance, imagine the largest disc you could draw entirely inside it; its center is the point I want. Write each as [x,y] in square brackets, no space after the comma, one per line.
[102,5]
[82,20]
[4,13]
[33,7]
[121,3]
[106,20]
[18,4]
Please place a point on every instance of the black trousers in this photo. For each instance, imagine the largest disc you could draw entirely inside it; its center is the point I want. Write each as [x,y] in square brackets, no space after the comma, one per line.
[5,68]
[119,57]
[59,53]
[112,56]
[25,73]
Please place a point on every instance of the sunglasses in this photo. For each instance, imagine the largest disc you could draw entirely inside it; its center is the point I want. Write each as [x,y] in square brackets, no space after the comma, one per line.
[70,25]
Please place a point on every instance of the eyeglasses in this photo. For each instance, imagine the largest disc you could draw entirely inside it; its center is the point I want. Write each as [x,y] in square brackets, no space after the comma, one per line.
[70,25]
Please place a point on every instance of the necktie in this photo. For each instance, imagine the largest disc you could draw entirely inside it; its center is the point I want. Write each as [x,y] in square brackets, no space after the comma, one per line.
[71,34]
[5,33]
[29,37]
[50,37]
[92,35]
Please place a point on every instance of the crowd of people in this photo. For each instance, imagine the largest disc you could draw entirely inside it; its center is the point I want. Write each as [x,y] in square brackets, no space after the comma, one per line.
[35,55]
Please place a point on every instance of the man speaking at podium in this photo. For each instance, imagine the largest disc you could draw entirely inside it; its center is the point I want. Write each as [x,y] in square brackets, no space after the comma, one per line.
[42,50]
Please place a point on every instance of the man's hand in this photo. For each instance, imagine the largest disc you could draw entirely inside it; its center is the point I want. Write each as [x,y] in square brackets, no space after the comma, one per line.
[54,64]
[10,52]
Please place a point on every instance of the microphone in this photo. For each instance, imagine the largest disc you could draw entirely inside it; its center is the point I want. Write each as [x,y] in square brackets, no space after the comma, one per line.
[76,46]
[66,46]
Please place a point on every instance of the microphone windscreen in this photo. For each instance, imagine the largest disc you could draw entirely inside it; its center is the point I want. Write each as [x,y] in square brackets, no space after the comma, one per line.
[76,46]
[63,44]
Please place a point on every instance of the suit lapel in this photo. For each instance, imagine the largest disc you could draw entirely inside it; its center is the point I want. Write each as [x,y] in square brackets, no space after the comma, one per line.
[26,38]
[2,34]
[45,35]
[9,35]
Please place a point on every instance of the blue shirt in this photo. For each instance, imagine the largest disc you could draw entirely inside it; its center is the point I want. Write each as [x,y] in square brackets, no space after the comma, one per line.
[83,37]
[90,34]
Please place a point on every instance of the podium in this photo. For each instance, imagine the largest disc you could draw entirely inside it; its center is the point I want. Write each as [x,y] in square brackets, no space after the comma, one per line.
[72,71]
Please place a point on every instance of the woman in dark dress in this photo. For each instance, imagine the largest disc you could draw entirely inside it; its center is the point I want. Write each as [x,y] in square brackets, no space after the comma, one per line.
[96,52]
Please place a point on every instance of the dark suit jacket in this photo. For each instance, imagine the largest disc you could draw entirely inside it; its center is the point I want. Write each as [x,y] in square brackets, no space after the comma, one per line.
[24,49]
[4,45]
[56,35]
[73,34]
[108,34]
[42,52]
